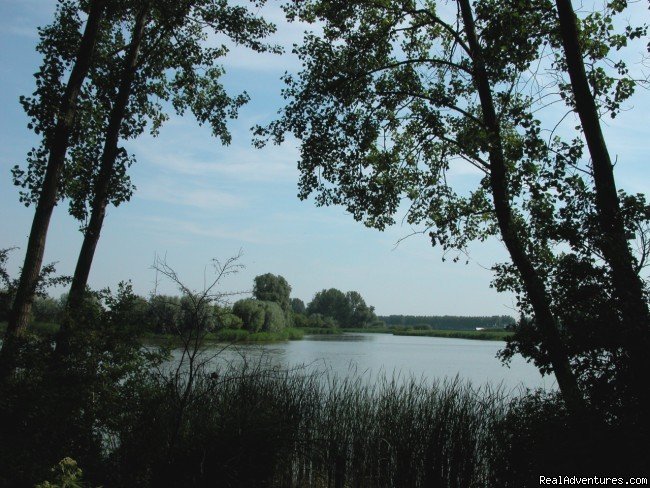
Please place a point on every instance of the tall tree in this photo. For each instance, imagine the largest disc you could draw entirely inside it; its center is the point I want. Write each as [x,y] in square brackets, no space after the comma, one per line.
[109,155]
[56,127]
[390,97]
[361,315]
[297,305]
[613,241]
[273,288]
[168,58]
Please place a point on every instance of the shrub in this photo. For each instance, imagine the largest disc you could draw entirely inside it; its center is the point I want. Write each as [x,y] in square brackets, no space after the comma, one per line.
[274,318]
[251,312]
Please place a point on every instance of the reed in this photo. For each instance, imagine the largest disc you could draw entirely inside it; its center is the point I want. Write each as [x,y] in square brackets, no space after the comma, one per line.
[251,425]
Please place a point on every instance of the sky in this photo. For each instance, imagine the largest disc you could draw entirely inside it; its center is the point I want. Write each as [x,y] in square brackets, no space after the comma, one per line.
[197,200]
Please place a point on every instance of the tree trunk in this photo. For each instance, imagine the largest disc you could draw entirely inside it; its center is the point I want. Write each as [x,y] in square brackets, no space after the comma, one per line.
[510,233]
[628,286]
[109,154]
[47,200]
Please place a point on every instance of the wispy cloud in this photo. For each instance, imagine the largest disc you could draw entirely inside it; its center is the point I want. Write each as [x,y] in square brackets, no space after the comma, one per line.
[210,230]
[186,157]
[187,193]
[286,35]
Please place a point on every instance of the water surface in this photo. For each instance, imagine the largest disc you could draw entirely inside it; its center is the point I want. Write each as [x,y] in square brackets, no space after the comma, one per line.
[371,355]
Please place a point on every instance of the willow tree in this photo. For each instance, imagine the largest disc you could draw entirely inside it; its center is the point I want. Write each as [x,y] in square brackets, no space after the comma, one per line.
[394,94]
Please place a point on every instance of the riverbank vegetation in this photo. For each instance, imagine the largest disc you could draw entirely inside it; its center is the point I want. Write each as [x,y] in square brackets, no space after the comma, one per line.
[483,335]
[448,322]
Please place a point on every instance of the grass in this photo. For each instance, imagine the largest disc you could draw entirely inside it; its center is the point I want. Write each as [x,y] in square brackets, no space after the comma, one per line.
[369,330]
[277,428]
[241,335]
[297,333]
[321,330]
[484,335]
[237,335]
[341,330]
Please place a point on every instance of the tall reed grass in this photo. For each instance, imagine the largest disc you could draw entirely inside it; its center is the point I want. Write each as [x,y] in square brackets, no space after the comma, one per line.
[248,425]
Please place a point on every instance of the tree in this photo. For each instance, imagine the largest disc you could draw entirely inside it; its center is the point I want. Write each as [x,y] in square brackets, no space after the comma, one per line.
[347,309]
[298,306]
[331,303]
[53,116]
[271,288]
[259,315]
[613,241]
[361,315]
[167,58]
[391,96]
[162,313]
[275,318]
[251,312]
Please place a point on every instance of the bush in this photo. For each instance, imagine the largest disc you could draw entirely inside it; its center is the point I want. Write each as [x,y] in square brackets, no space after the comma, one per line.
[258,315]
[274,318]
[229,320]
[321,321]
[251,312]
[300,320]
[74,402]
[162,313]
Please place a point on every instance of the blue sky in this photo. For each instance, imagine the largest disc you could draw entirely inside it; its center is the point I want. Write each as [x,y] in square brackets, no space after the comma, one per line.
[197,200]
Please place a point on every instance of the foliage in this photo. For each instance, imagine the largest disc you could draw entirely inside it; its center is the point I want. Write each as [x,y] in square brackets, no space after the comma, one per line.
[46,309]
[298,306]
[258,315]
[271,288]
[230,321]
[47,278]
[317,320]
[175,65]
[55,406]
[448,321]
[162,313]
[67,475]
[251,312]
[346,309]
[274,317]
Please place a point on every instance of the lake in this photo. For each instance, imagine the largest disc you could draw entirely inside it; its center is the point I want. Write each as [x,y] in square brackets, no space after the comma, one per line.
[373,355]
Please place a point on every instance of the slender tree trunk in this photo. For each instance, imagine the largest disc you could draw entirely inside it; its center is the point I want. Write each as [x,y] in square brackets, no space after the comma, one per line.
[106,171]
[510,232]
[47,200]
[628,286]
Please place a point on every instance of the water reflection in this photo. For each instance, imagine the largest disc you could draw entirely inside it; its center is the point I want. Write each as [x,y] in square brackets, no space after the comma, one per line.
[371,356]
[346,337]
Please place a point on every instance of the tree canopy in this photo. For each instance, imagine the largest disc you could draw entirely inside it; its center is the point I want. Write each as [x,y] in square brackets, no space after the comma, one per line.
[394,96]
[271,288]
[348,309]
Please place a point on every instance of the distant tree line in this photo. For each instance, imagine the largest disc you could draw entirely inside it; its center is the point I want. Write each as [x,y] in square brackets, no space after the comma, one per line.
[270,309]
[448,322]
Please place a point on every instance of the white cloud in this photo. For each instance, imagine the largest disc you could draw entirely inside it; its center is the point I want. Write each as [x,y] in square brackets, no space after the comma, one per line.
[187,192]
[212,231]
[194,156]
[286,35]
